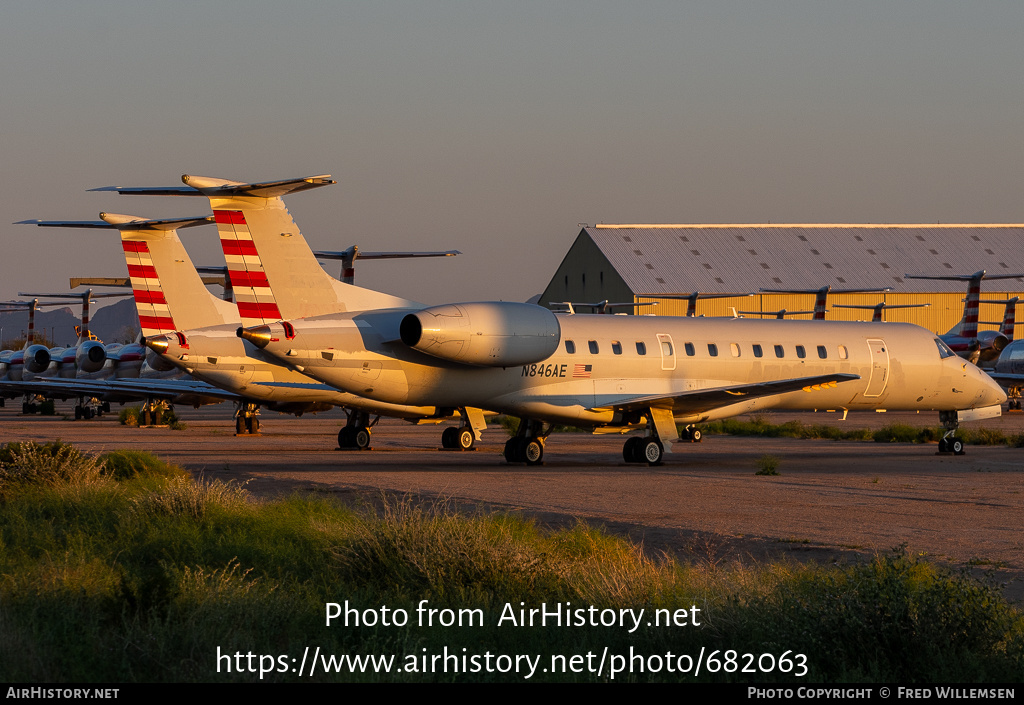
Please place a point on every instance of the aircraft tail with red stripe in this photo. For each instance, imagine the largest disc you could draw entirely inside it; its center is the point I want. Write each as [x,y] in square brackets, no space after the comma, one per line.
[273,271]
[163,278]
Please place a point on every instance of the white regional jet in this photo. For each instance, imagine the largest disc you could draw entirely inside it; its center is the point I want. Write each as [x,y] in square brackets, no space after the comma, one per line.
[606,373]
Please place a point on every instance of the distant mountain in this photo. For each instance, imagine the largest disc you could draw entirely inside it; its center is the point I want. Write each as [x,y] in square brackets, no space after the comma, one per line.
[116,323]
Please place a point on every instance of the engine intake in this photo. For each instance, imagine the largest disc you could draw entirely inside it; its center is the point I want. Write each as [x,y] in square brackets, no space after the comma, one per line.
[486,334]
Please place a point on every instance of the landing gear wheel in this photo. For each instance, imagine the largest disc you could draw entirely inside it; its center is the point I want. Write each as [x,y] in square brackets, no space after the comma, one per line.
[78,413]
[511,451]
[252,425]
[345,438]
[957,446]
[240,426]
[361,438]
[696,436]
[533,452]
[652,451]
[448,439]
[464,439]
[629,449]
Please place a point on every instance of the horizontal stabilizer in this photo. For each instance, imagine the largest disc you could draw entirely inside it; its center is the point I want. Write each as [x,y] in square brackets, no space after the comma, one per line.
[385,255]
[207,186]
[72,295]
[116,221]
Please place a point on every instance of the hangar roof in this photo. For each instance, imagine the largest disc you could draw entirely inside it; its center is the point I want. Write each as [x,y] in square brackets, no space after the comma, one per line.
[663,259]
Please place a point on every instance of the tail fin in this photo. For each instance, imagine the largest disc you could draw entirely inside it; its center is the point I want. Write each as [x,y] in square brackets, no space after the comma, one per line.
[169,293]
[1006,326]
[273,271]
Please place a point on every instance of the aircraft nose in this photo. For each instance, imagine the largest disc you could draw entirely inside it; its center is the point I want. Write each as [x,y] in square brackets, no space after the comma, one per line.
[989,392]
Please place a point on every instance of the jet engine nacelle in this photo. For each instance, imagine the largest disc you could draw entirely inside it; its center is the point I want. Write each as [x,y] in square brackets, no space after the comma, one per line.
[90,356]
[489,334]
[992,344]
[37,358]
[158,362]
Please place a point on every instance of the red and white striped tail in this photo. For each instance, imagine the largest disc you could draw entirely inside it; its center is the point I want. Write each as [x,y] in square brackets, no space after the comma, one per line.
[969,326]
[252,292]
[154,316]
[1009,318]
[819,305]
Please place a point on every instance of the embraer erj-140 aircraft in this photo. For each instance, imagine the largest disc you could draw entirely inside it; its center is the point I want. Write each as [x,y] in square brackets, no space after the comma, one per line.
[606,373]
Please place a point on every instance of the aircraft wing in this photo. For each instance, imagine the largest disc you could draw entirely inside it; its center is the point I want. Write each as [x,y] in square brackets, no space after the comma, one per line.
[699,400]
[140,388]
[1006,379]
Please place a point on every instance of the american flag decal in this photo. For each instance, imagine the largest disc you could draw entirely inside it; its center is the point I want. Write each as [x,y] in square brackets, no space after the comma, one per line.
[581,371]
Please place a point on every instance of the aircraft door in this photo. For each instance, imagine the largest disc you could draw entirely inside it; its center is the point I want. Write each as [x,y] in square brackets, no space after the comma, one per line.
[668,352]
[879,368]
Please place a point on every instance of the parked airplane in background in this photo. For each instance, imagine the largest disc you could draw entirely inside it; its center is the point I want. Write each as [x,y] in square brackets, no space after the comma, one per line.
[877,309]
[610,373]
[981,347]
[196,332]
[821,296]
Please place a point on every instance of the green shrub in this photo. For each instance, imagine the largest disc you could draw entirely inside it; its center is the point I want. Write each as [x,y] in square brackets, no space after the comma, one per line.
[129,464]
[129,416]
[768,465]
[55,463]
[194,498]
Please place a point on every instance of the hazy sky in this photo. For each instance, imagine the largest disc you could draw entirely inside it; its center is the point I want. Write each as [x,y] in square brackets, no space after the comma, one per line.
[495,128]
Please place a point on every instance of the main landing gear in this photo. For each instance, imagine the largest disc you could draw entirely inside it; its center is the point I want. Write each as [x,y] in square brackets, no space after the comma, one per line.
[356,433]
[643,449]
[247,420]
[661,430]
[465,436]
[527,446]
[152,413]
[457,438]
[87,408]
[949,443]
[1014,402]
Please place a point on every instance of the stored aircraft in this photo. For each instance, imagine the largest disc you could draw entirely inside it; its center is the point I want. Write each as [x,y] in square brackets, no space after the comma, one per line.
[981,347]
[195,332]
[606,373]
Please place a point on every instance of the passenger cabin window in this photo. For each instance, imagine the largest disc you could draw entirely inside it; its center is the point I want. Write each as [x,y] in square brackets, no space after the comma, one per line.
[690,350]
[666,348]
[800,352]
[641,348]
[616,347]
[757,351]
[570,347]
[779,352]
[843,354]
[712,350]
[822,352]
[593,346]
[734,349]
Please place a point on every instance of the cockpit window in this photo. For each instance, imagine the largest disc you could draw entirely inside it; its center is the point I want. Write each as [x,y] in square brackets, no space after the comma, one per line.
[944,350]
